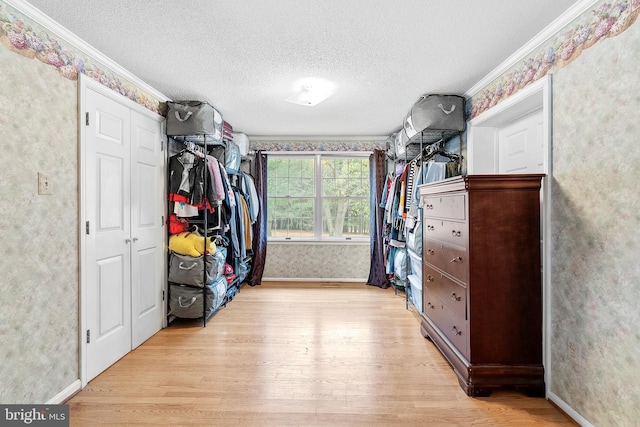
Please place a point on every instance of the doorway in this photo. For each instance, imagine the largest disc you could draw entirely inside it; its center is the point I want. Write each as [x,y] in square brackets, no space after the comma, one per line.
[515,136]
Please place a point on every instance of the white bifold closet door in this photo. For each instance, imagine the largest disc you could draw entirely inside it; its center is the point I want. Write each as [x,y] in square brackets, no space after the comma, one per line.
[123,198]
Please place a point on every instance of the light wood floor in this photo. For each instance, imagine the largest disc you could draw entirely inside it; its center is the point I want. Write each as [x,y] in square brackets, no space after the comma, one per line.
[297,355]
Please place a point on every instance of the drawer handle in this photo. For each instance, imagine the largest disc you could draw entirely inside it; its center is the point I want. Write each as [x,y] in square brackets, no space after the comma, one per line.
[428,206]
[456,331]
[455,233]
[431,306]
[456,259]
[455,296]
[430,251]
[430,227]
[429,278]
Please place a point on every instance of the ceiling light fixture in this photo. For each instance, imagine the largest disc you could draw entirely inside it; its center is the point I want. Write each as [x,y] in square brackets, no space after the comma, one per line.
[311,92]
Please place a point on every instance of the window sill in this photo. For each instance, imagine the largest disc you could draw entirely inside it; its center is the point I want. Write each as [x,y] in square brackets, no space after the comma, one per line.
[333,242]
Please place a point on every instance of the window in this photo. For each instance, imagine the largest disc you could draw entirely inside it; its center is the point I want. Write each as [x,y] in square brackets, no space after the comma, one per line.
[318,197]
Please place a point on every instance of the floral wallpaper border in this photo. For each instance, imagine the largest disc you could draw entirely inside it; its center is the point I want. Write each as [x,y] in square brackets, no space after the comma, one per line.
[21,35]
[323,145]
[607,20]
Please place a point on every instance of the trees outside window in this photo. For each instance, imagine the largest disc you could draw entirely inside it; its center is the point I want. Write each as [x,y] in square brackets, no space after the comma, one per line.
[319,196]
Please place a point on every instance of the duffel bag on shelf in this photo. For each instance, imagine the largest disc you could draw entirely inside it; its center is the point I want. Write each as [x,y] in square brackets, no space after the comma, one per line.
[390,146]
[220,258]
[219,290]
[186,301]
[404,150]
[437,112]
[232,157]
[407,124]
[414,237]
[400,264]
[208,140]
[188,270]
[242,140]
[193,118]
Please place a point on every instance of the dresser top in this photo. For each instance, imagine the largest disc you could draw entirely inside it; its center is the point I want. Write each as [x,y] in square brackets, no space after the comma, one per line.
[484,183]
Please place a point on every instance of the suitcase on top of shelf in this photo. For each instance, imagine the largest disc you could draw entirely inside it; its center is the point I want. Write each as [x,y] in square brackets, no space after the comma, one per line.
[193,118]
[437,112]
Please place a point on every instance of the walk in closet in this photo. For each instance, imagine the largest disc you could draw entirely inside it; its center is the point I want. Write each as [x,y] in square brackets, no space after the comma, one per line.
[212,206]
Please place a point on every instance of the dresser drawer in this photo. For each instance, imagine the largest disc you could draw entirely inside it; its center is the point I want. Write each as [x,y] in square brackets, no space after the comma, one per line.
[447,258]
[454,328]
[431,306]
[451,232]
[452,206]
[449,292]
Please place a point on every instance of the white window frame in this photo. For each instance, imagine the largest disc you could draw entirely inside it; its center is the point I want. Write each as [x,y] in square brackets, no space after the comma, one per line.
[317,219]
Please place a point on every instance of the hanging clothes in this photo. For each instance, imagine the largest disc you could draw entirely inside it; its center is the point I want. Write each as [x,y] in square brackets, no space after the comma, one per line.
[182,174]
[253,203]
[248,232]
[214,170]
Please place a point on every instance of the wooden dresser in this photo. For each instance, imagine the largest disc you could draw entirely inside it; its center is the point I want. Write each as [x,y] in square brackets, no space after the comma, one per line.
[482,281]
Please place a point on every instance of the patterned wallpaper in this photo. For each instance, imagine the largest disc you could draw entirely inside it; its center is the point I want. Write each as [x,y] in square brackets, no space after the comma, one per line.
[39,254]
[317,261]
[604,21]
[22,35]
[320,145]
[595,226]
[595,326]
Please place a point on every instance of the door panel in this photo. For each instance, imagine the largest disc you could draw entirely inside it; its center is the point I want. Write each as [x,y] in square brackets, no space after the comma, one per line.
[108,259]
[147,280]
[147,228]
[110,174]
[111,290]
[147,203]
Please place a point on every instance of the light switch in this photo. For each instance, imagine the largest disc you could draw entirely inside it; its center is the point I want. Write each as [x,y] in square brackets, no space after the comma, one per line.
[44,184]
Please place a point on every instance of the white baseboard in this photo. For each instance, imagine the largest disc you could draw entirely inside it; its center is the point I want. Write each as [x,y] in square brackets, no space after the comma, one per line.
[568,410]
[65,394]
[323,279]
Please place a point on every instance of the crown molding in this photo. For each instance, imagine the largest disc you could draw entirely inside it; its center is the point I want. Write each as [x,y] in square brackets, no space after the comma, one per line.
[48,23]
[551,30]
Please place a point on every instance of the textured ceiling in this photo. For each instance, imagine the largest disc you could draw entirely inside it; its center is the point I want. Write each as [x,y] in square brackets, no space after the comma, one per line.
[246,56]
